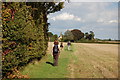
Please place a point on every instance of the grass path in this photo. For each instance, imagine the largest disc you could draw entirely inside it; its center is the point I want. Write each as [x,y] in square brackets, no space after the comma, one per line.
[44,69]
[83,61]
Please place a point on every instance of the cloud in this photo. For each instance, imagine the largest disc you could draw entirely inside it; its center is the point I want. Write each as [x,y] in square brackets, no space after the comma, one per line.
[113,21]
[91,12]
[66,16]
[100,20]
[107,21]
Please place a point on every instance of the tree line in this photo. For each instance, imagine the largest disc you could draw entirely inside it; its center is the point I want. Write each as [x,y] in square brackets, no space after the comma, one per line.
[73,35]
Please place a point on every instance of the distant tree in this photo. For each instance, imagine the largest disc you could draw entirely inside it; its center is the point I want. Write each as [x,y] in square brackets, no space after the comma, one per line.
[77,34]
[86,35]
[92,35]
[55,37]
[68,36]
[89,36]
[109,39]
[50,34]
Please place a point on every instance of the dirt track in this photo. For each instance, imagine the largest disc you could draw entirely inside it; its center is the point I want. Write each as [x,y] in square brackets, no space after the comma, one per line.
[93,60]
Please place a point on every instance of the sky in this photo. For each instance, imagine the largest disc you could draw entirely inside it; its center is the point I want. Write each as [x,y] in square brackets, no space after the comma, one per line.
[99,17]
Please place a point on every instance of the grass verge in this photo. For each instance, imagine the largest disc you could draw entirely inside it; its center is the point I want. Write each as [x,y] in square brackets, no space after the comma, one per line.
[42,69]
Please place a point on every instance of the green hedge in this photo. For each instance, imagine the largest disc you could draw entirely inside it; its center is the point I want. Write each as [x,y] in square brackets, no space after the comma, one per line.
[23,40]
[25,33]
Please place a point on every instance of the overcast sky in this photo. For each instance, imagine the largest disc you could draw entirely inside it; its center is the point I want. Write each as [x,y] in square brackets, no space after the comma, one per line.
[99,17]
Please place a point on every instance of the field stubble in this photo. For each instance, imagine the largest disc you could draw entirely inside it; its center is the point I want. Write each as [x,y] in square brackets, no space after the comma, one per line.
[95,61]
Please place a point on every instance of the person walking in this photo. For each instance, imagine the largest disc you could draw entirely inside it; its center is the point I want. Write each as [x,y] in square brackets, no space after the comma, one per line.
[56,53]
[69,44]
[61,45]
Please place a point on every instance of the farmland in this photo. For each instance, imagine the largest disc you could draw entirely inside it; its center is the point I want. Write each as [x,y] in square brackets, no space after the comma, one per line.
[84,60]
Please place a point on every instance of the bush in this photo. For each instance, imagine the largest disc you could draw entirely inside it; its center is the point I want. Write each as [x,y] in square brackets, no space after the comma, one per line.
[22,40]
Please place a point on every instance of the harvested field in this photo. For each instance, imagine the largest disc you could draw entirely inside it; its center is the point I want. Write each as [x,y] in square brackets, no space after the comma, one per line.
[95,61]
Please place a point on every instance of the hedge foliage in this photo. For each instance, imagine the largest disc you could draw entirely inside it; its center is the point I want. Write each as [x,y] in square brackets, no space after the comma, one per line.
[25,32]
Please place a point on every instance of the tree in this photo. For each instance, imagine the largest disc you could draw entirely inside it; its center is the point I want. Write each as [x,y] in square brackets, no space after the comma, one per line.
[77,34]
[50,34]
[89,36]
[40,12]
[86,35]
[109,39]
[92,35]
[68,36]
[55,37]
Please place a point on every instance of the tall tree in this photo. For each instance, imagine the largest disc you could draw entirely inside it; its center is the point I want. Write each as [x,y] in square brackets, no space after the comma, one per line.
[92,35]
[41,10]
[77,34]
[68,36]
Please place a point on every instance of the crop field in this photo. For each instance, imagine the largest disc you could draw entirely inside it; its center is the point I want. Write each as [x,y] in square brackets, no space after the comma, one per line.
[84,60]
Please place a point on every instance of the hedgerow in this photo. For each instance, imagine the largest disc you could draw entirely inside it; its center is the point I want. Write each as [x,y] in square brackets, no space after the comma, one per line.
[25,33]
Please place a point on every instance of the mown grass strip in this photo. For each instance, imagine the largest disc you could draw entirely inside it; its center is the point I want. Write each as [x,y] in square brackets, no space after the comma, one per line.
[43,70]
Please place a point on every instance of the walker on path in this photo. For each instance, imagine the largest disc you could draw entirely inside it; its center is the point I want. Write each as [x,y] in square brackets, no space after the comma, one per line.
[69,44]
[61,45]
[56,53]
